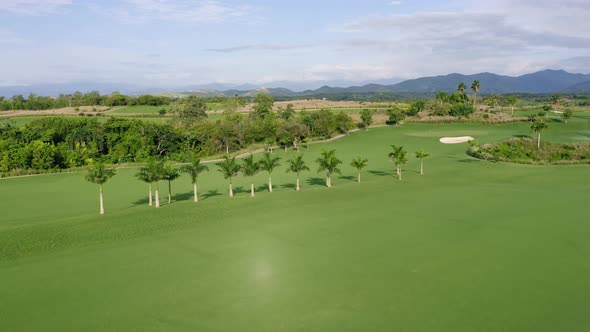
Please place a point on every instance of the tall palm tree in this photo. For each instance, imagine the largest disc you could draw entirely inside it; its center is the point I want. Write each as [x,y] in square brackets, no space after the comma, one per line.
[146,174]
[99,174]
[229,168]
[442,97]
[422,154]
[461,88]
[537,127]
[250,168]
[329,163]
[158,175]
[398,155]
[555,99]
[395,151]
[268,164]
[169,173]
[297,165]
[512,102]
[194,169]
[359,163]
[495,99]
[475,87]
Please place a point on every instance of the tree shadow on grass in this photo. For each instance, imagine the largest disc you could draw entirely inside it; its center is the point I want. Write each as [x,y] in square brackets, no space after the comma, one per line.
[289,186]
[263,187]
[521,136]
[182,197]
[380,173]
[239,190]
[210,193]
[142,201]
[347,177]
[469,161]
[316,181]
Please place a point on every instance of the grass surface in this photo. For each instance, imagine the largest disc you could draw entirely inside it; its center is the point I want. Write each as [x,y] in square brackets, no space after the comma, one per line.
[469,246]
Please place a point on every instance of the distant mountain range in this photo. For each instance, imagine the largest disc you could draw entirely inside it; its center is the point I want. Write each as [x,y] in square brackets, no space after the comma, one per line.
[546,81]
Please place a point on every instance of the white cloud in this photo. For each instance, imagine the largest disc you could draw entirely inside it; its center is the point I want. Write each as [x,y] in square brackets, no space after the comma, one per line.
[187,11]
[33,7]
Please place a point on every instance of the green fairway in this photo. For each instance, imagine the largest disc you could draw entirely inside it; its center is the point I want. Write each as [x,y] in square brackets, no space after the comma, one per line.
[469,246]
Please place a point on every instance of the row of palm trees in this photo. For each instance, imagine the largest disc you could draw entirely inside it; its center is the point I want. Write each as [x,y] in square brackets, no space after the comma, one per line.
[155,171]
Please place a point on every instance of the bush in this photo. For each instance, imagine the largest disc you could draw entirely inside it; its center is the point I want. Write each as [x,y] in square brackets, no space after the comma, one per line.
[525,151]
[461,110]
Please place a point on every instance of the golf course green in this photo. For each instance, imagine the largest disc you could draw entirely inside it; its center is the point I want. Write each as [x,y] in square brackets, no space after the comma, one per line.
[469,246]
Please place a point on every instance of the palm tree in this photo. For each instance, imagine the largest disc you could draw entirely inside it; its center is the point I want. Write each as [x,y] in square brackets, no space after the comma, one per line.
[250,168]
[461,88]
[99,174]
[297,165]
[495,100]
[193,169]
[567,114]
[146,174]
[396,150]
[422,154]
[329,163]
[442,97]
[555,99]
[538,127]
[512,102]
[169,173]
[475,87]
[268,164]
[359,163]
[398,155]
[229,168]
[157,174]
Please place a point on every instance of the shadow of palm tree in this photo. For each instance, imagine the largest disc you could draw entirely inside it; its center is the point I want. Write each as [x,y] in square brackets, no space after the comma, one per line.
[183,196]
[316,181]
[142,201]
[239,190]
[263,188]
[380,173]
[289,186]
[210,193]
[521,136]
[347,177]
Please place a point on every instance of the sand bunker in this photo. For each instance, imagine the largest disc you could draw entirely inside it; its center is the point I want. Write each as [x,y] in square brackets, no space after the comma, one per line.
[456,140]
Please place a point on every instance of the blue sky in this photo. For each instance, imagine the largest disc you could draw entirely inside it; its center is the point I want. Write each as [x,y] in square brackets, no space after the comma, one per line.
[178,42]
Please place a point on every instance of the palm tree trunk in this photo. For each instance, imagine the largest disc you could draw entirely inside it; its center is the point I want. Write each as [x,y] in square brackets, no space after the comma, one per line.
[169,192]
[359,178]
[269,184]
[252,189]
[231,189]
[328,181]
[150,195]
[512,107]
[400,174]
[157,195]
[101,201]
[539,141]
[298,188]
[226,149]
[196,190]
[421,166]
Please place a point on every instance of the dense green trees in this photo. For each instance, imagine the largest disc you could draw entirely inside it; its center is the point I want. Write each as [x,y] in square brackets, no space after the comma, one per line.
[100,174]
[367,118]
[263,104]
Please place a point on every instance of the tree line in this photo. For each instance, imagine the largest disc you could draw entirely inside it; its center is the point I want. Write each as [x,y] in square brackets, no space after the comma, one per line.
[154,171]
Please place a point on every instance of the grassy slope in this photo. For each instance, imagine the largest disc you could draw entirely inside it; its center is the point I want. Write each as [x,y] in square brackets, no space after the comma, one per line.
[470,246]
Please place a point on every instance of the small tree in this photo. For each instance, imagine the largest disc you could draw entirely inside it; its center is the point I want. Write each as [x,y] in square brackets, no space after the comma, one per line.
[421,155]
[99,174]
[250,168]
[194,169]
[537,127]
[297,165]
[442,96]
[567,114]
[367,118]
[229,168]
[169,173]
[398,156]
[475,87]
[512,102]
[268,164]
[263,104]
[359,163]
[147,175]
[329,163]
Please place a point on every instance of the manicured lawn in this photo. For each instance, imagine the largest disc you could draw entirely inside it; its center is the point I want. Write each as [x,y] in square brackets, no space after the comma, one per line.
[469,246]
